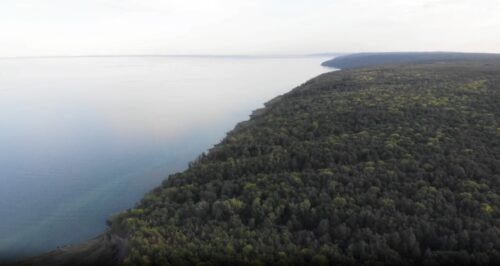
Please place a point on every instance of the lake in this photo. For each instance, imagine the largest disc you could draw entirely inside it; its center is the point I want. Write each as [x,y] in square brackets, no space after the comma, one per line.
[84,137]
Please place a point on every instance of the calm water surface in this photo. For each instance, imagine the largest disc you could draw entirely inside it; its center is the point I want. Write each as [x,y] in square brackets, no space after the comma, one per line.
[81,138]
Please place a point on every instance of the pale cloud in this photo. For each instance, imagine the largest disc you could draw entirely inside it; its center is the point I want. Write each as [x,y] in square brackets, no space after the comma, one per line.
[74,27]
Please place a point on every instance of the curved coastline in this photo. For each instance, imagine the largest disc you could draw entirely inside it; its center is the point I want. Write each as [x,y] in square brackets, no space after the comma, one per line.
[111,249]
[99,249]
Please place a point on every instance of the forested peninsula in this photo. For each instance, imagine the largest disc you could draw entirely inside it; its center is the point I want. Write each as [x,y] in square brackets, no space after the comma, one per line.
[395,163]
[371,59]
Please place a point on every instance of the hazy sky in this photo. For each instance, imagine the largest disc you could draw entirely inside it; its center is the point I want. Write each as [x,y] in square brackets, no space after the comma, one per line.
[82,27]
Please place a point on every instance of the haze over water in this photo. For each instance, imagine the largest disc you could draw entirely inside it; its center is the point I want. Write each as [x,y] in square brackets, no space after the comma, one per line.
[82,138]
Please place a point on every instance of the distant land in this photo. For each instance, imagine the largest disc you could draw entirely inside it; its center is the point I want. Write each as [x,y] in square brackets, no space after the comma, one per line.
[394,160]
[370,59]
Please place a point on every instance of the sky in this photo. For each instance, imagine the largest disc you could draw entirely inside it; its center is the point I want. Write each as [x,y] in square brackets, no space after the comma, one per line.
[252,27]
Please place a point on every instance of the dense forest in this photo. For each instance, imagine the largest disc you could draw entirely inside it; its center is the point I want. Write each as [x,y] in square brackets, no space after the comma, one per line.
[370,59]
[386,165]
[374,166]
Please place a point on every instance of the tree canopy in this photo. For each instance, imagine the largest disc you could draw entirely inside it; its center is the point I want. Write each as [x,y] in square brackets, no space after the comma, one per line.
[388,165]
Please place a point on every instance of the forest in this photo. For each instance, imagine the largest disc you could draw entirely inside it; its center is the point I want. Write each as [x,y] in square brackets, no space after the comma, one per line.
[395,164]
[385,165]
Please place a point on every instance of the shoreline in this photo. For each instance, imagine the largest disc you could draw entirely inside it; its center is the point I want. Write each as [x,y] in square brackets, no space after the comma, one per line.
[102,244]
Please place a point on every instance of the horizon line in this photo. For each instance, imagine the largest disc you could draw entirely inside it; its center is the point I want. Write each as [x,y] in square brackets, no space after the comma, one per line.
[249,56]
[243,56]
